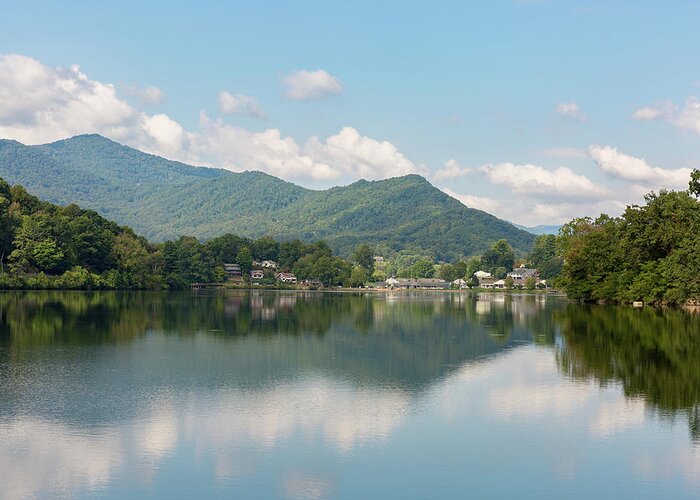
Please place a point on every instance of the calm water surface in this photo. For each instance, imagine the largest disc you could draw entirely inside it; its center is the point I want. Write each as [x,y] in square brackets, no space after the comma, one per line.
[309,395]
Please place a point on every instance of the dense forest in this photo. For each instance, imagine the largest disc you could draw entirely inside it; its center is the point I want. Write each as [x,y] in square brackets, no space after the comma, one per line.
[45,246]
[650,253]
[162,199]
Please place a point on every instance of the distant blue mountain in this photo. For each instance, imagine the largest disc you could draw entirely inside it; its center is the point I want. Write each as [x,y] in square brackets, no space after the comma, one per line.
[541,229]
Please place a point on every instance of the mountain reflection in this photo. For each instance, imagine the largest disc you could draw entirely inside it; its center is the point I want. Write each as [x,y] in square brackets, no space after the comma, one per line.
[101,391]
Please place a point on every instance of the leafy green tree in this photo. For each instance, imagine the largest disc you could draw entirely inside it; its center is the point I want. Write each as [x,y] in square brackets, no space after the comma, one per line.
[290,252]
[358,276]
[266,248]
[448,272]
[244,259]
[694,185]
[364,256]
[500,255]
[424,268]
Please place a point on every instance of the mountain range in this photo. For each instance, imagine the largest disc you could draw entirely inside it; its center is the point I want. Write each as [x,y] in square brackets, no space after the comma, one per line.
[163,199]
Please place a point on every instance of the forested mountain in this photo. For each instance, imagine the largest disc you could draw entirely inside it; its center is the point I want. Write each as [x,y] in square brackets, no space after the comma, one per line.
[164,199]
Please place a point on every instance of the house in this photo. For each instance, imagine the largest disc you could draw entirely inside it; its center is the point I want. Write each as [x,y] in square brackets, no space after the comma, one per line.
[378,260]
[491,283]
[257,274]
[460,283]
[232,270]
[482,275]
[286,277]
[522,273]
[419,283]
[270,264]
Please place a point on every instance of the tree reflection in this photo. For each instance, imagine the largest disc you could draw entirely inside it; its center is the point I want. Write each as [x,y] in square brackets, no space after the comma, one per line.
[653,353]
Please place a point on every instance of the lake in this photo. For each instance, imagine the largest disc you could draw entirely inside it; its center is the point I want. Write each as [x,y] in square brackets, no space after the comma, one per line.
[331,395]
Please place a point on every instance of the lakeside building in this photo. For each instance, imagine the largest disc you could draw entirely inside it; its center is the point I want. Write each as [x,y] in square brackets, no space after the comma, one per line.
[232,271]
[417,283]
[460,283]
[492,283]
[286,277]
[257,274]
[482,275]
[523,273]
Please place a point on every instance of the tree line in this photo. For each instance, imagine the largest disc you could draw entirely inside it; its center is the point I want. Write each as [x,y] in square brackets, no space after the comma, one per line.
[46,246]
[650,253]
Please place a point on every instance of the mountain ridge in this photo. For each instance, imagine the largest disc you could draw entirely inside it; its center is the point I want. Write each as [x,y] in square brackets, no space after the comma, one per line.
[163,199]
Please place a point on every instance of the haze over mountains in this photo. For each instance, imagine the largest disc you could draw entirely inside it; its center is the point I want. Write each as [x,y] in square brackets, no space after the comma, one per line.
[163,199]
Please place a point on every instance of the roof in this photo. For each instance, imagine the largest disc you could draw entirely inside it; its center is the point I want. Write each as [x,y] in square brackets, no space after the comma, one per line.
[523,272]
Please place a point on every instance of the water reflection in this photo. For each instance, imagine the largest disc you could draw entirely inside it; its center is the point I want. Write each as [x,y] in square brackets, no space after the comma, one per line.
[316,395]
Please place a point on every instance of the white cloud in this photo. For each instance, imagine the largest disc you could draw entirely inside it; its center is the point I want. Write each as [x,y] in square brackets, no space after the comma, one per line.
[452,170]
[40,104]
[148,95]
[560,183]
[238,149]
[305,85]
[360,156]
[686,118]
[571,110]
[240,104]
[629,168]
[479,202]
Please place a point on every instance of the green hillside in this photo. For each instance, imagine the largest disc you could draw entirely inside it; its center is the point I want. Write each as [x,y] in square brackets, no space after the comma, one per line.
[164,199]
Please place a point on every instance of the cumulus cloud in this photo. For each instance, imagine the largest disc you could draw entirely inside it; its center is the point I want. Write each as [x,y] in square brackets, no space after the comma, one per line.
[629,168]
[479,202]
[240,105]
[148,95]
[305,85]
[686,118]
[558,183]
[452,170]
[571,110]
[40,104]
[356,155]
[238,149]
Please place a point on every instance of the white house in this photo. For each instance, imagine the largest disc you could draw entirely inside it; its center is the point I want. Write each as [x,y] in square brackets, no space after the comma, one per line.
[286,278]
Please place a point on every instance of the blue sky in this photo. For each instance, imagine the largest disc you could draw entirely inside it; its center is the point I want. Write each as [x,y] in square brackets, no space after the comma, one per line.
[508,91]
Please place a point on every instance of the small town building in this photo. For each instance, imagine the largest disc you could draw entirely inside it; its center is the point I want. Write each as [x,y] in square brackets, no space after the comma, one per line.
[232,270]
[460,283]
[417,283]
[269,264]
[257,274]
[522,273]
[286,278]
[491,283]
[482,275]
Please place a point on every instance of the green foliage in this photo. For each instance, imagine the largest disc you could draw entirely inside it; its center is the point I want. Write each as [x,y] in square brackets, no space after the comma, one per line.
[498,259]
[544,256]
[358,276]
[245,259]
[162,200]
[364,256]
[694,185]
[650,253]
